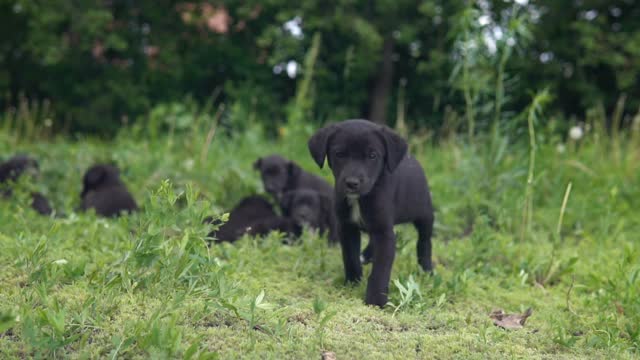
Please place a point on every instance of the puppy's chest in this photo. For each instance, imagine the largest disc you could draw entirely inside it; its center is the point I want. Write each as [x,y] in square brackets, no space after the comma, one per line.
[355,213]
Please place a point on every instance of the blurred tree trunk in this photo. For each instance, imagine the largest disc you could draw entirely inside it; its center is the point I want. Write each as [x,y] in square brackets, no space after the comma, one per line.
[380,87]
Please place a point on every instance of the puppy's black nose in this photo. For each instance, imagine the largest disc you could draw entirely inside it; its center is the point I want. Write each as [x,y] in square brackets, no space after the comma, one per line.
[352,183]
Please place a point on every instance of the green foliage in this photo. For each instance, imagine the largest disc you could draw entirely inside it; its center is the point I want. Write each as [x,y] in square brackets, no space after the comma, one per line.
[409,292]
[96,66]
[323,316]
[147,285]
[588,46]
[303,100]
[104,64]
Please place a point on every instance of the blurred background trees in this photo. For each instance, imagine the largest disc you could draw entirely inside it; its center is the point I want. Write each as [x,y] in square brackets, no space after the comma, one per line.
[97,64]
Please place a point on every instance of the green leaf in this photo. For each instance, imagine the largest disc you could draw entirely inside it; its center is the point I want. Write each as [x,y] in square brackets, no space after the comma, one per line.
[259,298]
[7,320]
[191,351]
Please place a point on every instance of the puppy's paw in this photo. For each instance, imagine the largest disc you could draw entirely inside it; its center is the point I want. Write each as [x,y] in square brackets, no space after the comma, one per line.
[352,279]
[379,300]
[427,266]
[364,260]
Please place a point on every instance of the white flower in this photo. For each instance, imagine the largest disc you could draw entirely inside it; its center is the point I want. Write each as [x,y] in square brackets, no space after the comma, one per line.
[484,20]
[294,27]
[560,148]
[292,69]
[576,133]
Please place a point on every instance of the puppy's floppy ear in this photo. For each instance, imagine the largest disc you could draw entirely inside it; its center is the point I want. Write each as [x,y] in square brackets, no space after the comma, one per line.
[92,178]
[293,169]
[395,146]
[318,143]
[257,164]
[95,175]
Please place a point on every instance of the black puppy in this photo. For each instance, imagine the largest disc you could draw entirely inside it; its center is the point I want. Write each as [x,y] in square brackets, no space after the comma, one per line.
[254,215]
[280,176]
[281,224]
[41,204]
[309,208]
[104,192]
[12,169]
[378,185]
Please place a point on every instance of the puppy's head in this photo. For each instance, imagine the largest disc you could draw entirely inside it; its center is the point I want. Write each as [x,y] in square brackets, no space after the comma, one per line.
[358,152]
[98,176]
[305,207]
[16,166]
[276,173]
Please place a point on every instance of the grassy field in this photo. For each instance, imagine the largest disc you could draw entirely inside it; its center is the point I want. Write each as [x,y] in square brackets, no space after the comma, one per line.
[148,285]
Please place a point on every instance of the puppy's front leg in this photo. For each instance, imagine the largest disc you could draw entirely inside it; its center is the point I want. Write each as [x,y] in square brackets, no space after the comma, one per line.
[350,242]
[384,251]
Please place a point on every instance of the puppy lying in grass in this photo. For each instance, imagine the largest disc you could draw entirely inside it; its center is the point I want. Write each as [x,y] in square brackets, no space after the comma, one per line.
[104,191]
[15,167]
[253,215]
[281,176]
[377,185]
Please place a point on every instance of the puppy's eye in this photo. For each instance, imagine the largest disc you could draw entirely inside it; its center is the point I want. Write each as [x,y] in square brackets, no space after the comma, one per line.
[373,155]
[341,154]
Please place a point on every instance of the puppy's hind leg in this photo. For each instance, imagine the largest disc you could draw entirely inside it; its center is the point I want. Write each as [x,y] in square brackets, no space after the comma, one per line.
[425,230]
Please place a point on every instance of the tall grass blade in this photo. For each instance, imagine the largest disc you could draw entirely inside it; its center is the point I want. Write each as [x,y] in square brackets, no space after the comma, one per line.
[563,208]
[303,100]
[532,114]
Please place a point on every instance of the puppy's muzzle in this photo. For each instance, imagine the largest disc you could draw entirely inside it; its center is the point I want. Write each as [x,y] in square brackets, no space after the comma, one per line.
[352,184]
[303,217]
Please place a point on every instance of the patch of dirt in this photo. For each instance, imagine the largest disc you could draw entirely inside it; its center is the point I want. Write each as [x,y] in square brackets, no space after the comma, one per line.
[328,355]
[510,321]
[216,322]
[302,318]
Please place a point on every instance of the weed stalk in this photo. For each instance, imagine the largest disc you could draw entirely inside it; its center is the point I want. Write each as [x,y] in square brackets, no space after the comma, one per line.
[532,114]
[302,102]
[563,208]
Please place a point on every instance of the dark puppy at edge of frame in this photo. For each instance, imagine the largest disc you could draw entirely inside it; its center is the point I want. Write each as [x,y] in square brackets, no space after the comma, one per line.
[281,176]
[378,185]
[104,191]
[12,169]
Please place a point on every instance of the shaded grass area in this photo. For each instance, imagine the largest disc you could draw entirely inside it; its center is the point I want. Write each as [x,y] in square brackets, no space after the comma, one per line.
[148,285]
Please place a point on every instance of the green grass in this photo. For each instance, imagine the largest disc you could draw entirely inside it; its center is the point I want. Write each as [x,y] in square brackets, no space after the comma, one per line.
[148,286]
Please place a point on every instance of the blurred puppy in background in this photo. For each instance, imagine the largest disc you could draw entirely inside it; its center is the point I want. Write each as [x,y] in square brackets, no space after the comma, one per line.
[253,215]
[104,191]
[309,208]
[17,166]
[280,176]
